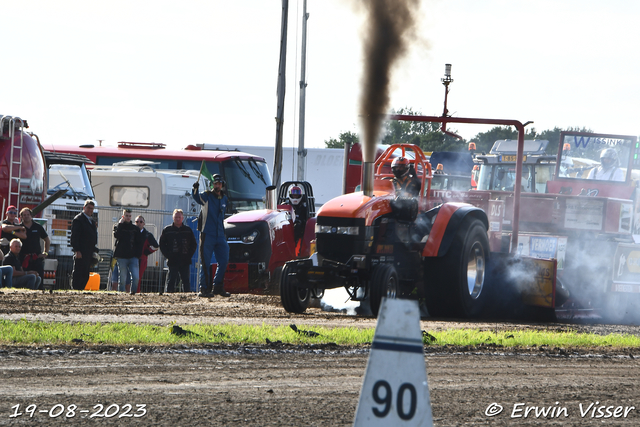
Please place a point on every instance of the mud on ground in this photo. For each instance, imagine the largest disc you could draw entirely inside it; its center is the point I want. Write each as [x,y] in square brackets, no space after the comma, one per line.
[275,384]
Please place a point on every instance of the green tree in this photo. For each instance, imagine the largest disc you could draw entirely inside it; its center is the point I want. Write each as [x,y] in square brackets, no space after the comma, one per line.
[553,136]
[343,138]
[426,135]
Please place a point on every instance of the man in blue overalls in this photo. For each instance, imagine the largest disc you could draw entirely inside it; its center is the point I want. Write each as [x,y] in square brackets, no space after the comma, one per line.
[214,248]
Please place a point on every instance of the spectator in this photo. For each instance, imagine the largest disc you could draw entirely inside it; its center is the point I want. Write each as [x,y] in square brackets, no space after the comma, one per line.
[128,250]
[21,278]
[6,274]
[213,242]
[149,246]
[32,255]
[178,244]
[11,229]
[84,241]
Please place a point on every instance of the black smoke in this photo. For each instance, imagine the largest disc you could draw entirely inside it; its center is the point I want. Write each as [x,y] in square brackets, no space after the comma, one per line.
[390,28]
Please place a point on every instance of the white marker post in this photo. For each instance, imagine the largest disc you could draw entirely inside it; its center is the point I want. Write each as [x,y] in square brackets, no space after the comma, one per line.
[395,390]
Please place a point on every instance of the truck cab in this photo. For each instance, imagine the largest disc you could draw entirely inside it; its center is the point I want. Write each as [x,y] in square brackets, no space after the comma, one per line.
[498,168]
[65,172]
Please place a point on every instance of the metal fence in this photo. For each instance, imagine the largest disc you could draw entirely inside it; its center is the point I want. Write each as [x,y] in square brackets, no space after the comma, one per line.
[154,277]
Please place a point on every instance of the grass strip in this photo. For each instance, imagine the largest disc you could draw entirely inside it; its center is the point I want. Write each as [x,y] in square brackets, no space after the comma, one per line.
[23,332]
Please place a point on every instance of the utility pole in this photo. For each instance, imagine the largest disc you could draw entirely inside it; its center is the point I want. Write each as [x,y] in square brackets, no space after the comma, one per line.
[302,152]
[277,155]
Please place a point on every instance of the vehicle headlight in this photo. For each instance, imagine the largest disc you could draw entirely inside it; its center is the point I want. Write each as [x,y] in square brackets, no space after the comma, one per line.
[250,238]
[329,229]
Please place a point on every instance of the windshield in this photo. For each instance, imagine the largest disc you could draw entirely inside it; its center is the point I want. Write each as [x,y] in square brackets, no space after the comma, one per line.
[72,178]
[501,177]
[588,157]
[451,182]
[246,183]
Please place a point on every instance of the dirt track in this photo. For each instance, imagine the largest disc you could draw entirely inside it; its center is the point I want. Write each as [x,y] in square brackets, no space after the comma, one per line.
[290,385]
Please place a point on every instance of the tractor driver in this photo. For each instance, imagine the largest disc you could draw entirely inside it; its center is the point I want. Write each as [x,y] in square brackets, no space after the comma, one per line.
[405,183]
[301,211]
[609,169]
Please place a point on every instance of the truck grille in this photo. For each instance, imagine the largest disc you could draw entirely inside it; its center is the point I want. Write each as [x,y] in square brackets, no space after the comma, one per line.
[258,251]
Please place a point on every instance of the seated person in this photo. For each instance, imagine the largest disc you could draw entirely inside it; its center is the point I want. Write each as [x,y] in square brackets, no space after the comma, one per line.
[609,169]
[6,274]
[405,182]
[300,209]
[21,278]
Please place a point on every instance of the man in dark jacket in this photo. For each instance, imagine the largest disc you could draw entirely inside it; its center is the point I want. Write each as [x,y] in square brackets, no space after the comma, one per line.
[128,249]
[84,239]
[178,244]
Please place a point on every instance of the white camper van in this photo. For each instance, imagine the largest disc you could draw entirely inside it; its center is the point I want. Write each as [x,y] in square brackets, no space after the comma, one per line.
[154,194]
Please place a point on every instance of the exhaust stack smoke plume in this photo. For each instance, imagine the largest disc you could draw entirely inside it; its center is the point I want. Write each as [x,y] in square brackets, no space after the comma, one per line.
[367,178]
[389,28]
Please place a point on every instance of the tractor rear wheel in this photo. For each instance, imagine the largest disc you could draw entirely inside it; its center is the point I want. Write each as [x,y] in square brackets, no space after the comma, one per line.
[294,299]
[384,283]
[456,284]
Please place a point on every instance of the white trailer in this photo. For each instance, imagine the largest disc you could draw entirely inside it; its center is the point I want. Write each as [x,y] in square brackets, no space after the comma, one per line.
[324,168]
[151,193]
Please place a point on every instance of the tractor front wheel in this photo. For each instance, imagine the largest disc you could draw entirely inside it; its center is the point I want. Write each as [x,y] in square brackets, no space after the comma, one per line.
[294,299]
[384,283]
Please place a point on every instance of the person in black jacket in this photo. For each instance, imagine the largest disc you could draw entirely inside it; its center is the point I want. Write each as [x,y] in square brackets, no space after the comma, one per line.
[128,250]
[178,244]
[84,241]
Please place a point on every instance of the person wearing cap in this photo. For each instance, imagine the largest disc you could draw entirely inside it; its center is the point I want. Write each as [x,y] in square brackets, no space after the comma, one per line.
[609,169]
[31,254]
[84,242]
[214,248]
[11,228]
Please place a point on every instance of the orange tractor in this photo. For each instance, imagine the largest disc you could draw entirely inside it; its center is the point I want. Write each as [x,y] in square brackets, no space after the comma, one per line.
[375,244]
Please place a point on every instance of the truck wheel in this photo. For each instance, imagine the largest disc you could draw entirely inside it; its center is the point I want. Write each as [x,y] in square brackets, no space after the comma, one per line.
[384,283]
[294,299]
[457,285]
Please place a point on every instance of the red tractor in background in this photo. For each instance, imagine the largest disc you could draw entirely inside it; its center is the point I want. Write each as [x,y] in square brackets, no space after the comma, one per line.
[23,173]
[262,241]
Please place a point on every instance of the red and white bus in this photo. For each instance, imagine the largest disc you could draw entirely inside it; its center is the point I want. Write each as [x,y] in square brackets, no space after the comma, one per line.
[246,175]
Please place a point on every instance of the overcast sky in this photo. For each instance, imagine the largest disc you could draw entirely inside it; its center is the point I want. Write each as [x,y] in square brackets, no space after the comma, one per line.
[206,71]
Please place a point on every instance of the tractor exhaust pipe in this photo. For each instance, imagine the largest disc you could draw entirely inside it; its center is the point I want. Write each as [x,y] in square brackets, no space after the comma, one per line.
[367,178]
[271,200]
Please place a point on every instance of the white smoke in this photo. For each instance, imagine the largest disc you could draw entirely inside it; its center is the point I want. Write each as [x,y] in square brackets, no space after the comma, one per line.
[337,300]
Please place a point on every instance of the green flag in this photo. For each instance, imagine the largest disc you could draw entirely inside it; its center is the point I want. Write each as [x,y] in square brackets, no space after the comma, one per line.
[205,172]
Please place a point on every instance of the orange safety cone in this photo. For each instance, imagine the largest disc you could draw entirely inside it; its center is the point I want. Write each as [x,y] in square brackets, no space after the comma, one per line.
[93,284]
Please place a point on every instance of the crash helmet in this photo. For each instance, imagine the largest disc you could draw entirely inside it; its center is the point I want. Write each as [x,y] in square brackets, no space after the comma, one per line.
[400,167]
[295,195]
[609,157]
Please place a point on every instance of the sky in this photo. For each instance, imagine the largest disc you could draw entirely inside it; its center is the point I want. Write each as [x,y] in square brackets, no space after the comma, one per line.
[205,71]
